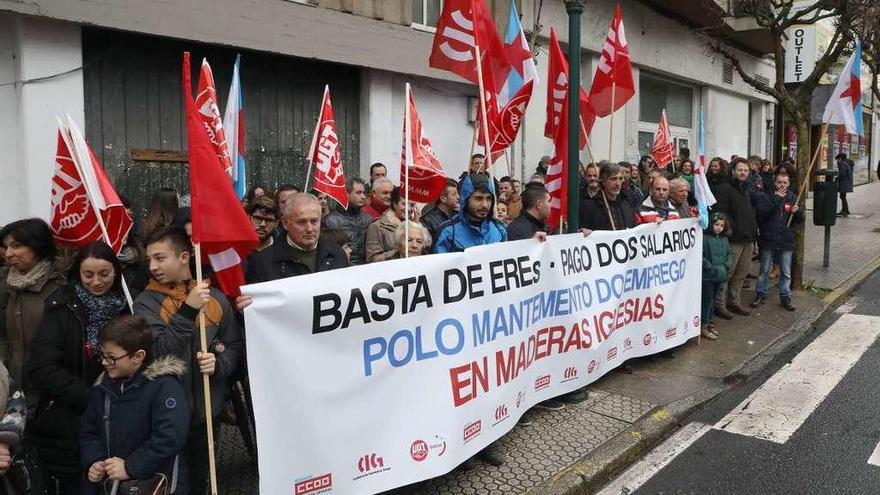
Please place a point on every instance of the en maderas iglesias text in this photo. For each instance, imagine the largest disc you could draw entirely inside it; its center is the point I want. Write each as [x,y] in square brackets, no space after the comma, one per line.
[519,320]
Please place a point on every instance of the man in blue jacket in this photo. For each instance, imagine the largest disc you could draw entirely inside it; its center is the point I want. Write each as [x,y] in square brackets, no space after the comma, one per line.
[776,239]
[474,224]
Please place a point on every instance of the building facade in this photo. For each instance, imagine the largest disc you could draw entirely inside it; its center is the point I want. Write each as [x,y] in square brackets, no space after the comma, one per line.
[115,68]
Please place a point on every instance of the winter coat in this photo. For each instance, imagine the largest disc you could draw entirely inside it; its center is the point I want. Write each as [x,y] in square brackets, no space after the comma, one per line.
[524,227]
[353,222]
[633,194]
[459,233]
[773,213]
[845,177]
[149,422]
[280,261]
[649,212]
[768,181]
[381,241]
[433,219]
[23,313]
[62,374]
[717,260]
[737,200]
[594,215]
[176,333]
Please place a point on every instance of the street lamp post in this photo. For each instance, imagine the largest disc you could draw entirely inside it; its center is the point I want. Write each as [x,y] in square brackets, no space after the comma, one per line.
[574,8]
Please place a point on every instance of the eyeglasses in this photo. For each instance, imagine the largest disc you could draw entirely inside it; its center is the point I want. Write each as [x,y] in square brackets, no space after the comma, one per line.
[266,220]
[111,360]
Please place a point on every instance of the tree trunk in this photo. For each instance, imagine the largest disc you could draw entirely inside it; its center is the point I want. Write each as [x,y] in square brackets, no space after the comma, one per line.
[804,155]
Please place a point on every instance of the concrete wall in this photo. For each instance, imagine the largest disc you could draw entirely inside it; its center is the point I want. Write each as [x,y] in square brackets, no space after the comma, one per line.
[442,106]
[727,124]
[40,48]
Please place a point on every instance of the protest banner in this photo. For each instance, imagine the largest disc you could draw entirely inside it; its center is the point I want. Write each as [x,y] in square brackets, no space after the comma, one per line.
[377,376]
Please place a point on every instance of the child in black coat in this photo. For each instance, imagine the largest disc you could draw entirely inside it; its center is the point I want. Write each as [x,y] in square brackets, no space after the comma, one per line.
[145,405]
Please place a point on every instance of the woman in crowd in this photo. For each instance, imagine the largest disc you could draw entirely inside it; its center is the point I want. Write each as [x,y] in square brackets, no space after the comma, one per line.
[34,274]
[767,176]
[716,173]
[65,358]
[163,208]
[414,244]
[788,168]
[686,172]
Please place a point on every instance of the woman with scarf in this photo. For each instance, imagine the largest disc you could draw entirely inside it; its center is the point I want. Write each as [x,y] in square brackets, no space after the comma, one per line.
[65,359]
[33,276]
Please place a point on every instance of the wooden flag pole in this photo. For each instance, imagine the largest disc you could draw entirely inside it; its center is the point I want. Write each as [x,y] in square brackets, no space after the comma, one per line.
[608,209]
[315,138]
[809,170]
[206,380]
[611,130]
[473,144]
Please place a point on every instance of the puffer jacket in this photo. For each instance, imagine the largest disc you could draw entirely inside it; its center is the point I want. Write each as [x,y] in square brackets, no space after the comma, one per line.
[773,212]
[353,222]
[459,233]
[62,374]
[381,241]
[149,421]
[176,333]
[717,260]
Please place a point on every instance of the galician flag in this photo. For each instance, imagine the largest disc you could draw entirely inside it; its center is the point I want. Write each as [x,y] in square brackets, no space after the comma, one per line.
[705,198]
[845,105]
[522,65]
[233,122]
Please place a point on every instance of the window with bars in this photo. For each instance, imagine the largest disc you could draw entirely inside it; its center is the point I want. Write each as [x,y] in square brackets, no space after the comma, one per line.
[426,12]
[655,94]
[727,72]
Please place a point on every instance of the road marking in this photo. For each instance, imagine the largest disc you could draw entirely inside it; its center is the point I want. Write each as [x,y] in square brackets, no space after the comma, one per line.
[644,470]
[875,457]
[780,406]
[849,305]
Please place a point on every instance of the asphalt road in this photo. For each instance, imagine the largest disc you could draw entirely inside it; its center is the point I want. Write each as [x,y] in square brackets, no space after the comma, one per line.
[809,425]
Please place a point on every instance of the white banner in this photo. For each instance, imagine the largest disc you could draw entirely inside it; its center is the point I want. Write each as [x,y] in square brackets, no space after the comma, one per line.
[377,376]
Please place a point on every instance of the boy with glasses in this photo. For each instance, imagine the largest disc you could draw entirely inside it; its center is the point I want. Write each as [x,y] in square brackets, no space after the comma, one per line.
[264,218]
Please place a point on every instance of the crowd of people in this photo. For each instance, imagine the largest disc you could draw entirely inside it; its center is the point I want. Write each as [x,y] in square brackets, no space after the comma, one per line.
[112,394]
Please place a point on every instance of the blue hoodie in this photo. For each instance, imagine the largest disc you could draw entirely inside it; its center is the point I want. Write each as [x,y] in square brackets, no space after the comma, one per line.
[459,233]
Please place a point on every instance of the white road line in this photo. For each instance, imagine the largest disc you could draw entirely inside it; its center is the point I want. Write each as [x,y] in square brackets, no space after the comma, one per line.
[639,473]
[780,406]
[849,305]
[875,457]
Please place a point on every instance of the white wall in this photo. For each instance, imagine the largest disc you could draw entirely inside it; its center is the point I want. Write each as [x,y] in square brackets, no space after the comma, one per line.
[11,179]
[442,106]
[727,124]
[41,48]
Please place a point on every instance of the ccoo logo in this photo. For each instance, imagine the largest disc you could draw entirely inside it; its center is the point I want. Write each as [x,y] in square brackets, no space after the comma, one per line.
[317,484]
[370,462]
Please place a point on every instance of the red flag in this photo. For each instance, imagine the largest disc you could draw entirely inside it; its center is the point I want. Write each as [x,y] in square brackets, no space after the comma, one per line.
[557,94]
[614,68]
[209,114]
[505,124]
[325,155]
[557,174]
[427,180]
[76,196]
[663,151]
[463,25]
[219,223]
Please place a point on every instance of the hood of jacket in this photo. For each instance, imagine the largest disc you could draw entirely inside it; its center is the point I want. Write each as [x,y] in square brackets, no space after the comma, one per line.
[468,186]
[165,366]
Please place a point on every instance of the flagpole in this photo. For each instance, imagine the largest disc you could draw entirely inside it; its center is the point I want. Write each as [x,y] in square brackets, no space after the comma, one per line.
[315,138]
[810,168]
[485,117]
[608,209]
[206,380]
[611,131]
[95,210]
[507,161]
[473,144]
[406,153]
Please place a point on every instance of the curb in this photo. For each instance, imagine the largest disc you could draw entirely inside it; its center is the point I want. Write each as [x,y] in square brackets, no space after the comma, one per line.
[597,468]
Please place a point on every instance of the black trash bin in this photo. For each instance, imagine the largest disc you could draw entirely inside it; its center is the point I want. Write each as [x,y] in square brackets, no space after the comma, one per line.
[825,197]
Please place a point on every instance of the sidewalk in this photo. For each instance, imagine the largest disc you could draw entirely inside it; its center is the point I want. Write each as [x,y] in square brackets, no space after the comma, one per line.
[576,449]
